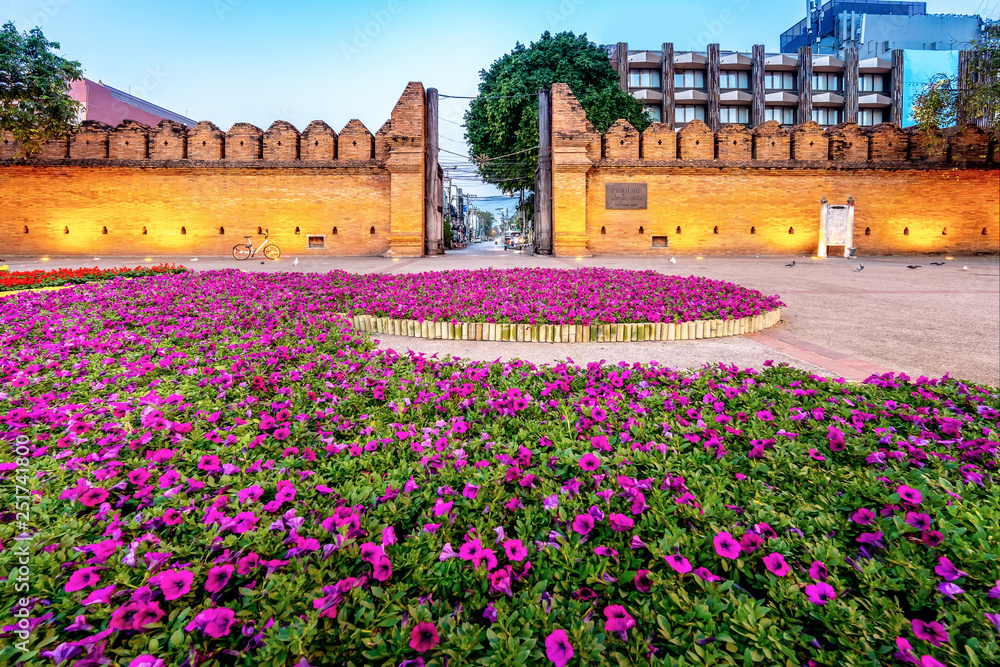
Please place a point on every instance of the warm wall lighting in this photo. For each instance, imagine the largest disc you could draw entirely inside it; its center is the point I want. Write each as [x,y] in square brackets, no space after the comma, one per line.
[44,259]
[395,259]
[949,258]
[699,257]
[149,259]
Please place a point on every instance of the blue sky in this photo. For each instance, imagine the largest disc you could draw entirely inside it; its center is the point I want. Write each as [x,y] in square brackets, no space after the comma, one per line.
[252,61]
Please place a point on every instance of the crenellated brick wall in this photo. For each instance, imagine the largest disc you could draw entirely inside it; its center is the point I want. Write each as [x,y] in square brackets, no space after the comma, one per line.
[177,190]
[741,191]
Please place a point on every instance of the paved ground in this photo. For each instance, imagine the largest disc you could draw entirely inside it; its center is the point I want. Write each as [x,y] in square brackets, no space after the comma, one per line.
[927,321]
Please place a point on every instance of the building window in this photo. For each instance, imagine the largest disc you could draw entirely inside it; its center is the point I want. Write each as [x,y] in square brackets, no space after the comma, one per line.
[825,81]
[653,113]
[644,78]
[869,116]
[779,80]
[734,115]
[827,116]
[686,113]
[734,79]
[871,83]
[689,78]
[784,115]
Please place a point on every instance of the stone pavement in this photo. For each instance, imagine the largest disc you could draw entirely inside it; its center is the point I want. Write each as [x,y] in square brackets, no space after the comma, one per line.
[927,321]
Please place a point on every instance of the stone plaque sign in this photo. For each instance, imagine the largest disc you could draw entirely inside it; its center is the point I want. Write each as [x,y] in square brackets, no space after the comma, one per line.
[624,195]
[838,228]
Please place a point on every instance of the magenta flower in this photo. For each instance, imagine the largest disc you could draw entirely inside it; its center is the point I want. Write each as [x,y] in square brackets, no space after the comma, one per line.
[484,556]
[93,496]
[247,564]
[424,637]
[994,592]
[590,462]
[776,565]
[918,520]
[583,523]
[175,583]
[679,563]
[557,648]
[209,463]
[382,568]
[515,550]
[818,571]
[705,575]
[215,622]
[100,595]
[820,593]
[620,523]
[947,570]
[85,577]
[932,632]
[218,577]
[749,542]
[863,516]
[642,582]
[146,614]
[994,619]
[618,620]
[930,661]
[172,517]
[726,546]
[909,495]
[469,549]
[146,660]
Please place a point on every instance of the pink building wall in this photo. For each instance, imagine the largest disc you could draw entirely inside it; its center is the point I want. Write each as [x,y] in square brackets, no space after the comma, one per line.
[112,106]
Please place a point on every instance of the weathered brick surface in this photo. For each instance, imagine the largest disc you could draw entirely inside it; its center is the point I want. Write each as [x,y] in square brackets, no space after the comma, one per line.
[887,143]
[733,142]
[168,141]
[771,142]
[205,141]
[848,143]
[90,141]
[968,144]
[243,142]
[129,141]
[621,142]
[926,146]
[355,142]
[696,141]
[8,145]
[318,143]
[809,142]
[658,142]
[382,147]
[281,142]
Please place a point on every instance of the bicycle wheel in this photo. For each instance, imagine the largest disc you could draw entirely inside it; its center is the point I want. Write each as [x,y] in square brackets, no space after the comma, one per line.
[272,251]
[242,251]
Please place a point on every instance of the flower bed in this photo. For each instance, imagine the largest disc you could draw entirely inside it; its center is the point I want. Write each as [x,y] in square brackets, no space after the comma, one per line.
[217,480]
[22,280]
[530,296]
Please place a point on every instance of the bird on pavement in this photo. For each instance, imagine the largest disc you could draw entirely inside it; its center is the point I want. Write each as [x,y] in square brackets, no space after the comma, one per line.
[860,267]
[262,262]
[673,261]
[194,259]
[965,268]
[296,262]
[937,263]
[913,266]
[791,264]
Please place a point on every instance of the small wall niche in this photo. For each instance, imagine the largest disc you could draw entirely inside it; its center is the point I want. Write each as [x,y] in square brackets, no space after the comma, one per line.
[315,241]
[658,242]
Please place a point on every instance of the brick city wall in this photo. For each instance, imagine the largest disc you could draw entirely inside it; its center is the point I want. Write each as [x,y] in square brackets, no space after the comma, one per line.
[134,189]
[743,191]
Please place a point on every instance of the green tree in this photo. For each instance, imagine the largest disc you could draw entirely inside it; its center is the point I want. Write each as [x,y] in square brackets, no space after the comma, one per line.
[486,221]
[946,100]
[502,121]
[34,88]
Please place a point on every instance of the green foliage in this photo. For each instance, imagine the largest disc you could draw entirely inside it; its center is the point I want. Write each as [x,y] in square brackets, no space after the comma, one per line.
[449,235]
[946,100]
[34,88]
[504,125]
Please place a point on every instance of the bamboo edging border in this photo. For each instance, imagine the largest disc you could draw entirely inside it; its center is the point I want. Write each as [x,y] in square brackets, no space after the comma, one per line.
[565,333]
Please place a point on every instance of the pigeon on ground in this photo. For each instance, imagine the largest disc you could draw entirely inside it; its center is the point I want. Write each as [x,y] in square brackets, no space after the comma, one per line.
[913,266]
[673,261]
[296,262]
[965,268]
[860,267]
[194,259]
[792,263]
[937,263]
[262,262]
[97,259]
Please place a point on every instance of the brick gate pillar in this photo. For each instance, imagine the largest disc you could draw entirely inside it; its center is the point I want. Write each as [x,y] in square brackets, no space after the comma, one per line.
[576,145]
[406,165]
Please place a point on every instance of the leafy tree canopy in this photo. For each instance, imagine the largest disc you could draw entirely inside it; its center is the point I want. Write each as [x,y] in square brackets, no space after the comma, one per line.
[34,88]
[502,122]
[946,100]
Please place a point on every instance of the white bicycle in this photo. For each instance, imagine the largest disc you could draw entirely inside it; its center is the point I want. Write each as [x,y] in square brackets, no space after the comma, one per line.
[246,250]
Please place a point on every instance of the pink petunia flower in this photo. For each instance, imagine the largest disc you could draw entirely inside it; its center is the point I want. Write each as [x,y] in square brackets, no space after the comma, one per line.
[558,649]
[85,577]
[642,582]
[620,523]
[776,565]
[909,495]
[515,550]
[705,575]
[484,556]
[726,545]
[215,622]
[618,619]
[95,495]
[820,593]
[175,583]
[947,570]
[679,563]
[590,462]
[932,632]
[863,516]
[583,523]
[818,571]
[218,577]
[424,637]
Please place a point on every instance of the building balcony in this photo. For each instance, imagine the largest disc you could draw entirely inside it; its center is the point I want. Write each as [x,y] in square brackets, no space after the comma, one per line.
[873,100]
[828,64]
[691,96]
[735,97]
[736,61]
[648,95]
[874,66]
[781,62]
[690,58]
[828,99]
[781,99]
[640,58]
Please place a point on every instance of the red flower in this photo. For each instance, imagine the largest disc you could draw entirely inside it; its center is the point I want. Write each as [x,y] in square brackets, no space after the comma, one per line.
[424,637]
